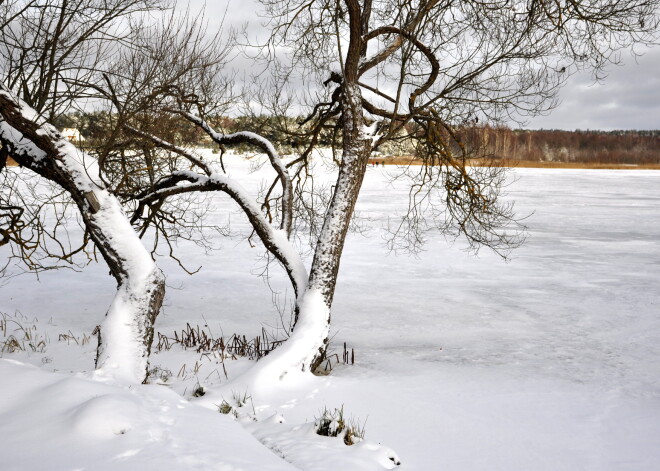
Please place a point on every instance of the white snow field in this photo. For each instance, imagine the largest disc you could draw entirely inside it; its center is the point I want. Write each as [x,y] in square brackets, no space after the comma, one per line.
[548,362]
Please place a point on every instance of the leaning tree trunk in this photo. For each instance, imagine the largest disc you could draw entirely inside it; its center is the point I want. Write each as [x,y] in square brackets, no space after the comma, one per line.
[356,148]
[127,330]
[305,349]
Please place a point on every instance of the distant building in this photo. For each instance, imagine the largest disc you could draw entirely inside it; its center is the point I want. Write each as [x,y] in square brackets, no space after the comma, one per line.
[73,135]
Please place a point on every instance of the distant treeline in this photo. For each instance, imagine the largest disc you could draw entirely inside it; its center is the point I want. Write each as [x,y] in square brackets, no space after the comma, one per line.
[590,147]
[597,147]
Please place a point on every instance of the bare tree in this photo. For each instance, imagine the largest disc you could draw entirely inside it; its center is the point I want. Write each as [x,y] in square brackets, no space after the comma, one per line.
[422,71]
[55,55]
[273,228]
[145,163]
[415,71]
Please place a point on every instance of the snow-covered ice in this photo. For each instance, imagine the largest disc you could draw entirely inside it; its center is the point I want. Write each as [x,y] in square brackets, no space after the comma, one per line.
[547,362]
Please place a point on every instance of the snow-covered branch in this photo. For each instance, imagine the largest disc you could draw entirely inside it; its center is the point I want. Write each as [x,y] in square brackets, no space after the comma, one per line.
[275,240]
[267,147]
[127,331]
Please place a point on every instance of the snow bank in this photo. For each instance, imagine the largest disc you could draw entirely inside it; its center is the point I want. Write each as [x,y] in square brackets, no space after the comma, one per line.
[63,422]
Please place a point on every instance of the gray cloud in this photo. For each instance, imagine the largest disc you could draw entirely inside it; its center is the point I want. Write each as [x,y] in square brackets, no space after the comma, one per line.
[628,98]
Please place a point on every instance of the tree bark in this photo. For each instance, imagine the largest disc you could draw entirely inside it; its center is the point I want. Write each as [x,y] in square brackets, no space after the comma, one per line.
[356,148]
[127,331]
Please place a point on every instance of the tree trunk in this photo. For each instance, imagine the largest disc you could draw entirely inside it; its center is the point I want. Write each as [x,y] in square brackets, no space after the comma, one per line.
[127,331]
[356,148]
[305,348]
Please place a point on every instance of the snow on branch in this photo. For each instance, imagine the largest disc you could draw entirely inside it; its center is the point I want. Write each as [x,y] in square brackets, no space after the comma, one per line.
[267,147]
[275,240]
[32,144]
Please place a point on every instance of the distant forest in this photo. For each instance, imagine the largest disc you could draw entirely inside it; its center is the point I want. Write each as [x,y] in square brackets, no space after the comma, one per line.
[501,143]
[591,147]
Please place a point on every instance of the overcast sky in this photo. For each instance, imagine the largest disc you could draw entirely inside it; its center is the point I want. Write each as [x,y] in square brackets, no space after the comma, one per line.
[629,98]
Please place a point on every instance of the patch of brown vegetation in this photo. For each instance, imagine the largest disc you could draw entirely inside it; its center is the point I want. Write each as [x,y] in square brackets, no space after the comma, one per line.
[409,160]
[580,165]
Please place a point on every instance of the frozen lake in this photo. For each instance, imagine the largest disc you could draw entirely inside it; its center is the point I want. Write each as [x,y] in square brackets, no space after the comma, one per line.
[549,361]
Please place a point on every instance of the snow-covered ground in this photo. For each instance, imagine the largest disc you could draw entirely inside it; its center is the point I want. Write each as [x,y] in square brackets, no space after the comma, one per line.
[547,362]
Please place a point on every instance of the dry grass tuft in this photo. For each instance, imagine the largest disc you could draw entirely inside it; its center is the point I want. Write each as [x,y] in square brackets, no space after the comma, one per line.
[332,360]
[19,336]
[333,424]
[202,341]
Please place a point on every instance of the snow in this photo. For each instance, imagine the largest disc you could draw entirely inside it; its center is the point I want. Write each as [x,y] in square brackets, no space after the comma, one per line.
[82,166]
[370,132]
[71,422]
[281,239]
[547,362]
[22,144]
